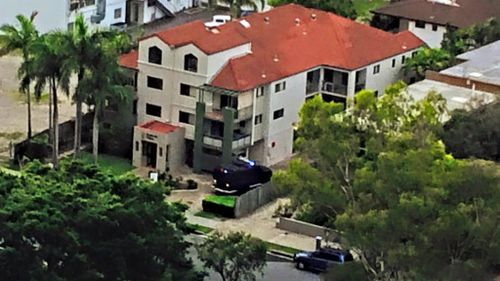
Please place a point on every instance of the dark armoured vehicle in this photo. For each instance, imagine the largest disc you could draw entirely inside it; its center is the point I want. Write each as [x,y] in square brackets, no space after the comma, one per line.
[320,260]
[240,176]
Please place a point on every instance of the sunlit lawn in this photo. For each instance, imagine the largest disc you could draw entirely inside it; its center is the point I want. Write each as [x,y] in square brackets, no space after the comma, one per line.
[115,165]
[363,7]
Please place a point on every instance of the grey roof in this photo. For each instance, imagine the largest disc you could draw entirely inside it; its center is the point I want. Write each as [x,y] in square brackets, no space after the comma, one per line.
[456,97]
[482,64]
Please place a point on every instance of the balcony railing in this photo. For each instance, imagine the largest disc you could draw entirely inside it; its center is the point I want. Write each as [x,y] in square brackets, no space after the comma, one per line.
[330,87]
[241,141]
[359,87]
[239,115]
[312,87]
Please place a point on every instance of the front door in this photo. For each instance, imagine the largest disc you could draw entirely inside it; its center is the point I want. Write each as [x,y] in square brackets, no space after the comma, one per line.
[150,150]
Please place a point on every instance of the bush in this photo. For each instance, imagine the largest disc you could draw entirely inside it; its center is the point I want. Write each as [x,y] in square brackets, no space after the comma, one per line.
[222,205]
[192,184]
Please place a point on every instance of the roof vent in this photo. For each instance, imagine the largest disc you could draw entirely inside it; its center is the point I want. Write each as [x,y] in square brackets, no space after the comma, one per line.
[297,21]
[214,30]
[266,19]
[275,58]
[245,23]
[313,16]
[263,76]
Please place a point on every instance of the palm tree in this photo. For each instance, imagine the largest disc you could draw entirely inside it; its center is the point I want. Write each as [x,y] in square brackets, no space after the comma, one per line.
[82,43]
[105,81]
[50,67]
[427,59]
[22,38]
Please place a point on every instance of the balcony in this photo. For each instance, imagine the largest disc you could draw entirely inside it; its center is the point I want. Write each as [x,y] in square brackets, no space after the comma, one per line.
[239,115]
[330,87]
[312,88]
[239,141]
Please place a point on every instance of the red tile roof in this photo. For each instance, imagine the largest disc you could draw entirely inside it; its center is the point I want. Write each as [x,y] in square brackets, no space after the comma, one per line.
[290,42]
[159,127]
[129,60]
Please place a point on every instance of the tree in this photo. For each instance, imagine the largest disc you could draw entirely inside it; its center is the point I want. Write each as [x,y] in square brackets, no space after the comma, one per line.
[82,43]
[474,133]
[410,211]
[343,8]
[22,38]
[50,67]
[79,223]
[427,59]
[105,81]
[235,256]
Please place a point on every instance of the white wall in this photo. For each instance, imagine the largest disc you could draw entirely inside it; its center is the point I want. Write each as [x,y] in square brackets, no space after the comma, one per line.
[280,131]
[151,13]
[109,19]
[218,60]
[50,16]
[432,38]
[387,75]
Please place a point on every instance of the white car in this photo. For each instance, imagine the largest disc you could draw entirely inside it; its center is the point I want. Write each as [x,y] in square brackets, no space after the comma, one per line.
[217,20]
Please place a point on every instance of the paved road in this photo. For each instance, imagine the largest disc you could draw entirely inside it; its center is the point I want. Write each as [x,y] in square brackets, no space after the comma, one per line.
[274,271]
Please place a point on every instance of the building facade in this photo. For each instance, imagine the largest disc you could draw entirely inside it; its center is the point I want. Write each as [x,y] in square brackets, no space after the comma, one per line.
[60,14]
[237,89]
[430,19]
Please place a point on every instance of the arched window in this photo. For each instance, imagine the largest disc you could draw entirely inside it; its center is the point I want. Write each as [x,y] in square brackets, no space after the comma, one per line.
[191,63]
[154,55]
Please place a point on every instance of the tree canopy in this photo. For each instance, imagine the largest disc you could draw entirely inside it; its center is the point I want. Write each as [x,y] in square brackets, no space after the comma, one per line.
[427,59]
[235,256]
[474,133]
[79,223]
[379,174]
[343,8]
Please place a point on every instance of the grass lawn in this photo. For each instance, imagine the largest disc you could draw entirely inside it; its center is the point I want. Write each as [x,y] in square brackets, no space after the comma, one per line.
[115,165]
[201,228]
[289,250]
[224,200]
[363,7]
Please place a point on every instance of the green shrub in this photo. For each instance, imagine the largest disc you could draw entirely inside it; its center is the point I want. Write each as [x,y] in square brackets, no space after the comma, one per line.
[224,200]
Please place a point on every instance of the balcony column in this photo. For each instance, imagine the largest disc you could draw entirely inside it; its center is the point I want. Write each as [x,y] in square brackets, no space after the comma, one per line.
[351,85]
[227,141]
[198,137]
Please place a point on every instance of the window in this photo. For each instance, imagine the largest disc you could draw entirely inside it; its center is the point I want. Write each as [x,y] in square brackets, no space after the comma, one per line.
[420,24]
[134,107]
[185,90]
[280,87]
[153,110]
[258,119]
[136,146]
[118,13]
[434,27]
[155,83]
[151,3]
[413,54]
[191,63]
[185,117]
[278,113]
[403,59]
[160,151]
[376,94]
[393,62]
[154,55]
[260,92]
[376,69]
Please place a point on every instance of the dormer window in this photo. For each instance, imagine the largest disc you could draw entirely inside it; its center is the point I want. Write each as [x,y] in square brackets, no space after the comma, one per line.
[154,55]
[190,63]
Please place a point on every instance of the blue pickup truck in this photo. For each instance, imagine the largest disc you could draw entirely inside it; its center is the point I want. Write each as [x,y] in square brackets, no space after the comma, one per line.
[320,260]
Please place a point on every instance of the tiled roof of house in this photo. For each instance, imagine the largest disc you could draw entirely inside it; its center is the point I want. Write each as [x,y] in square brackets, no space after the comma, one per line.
[129,60]
[462,14]
[288,40]
[159,127]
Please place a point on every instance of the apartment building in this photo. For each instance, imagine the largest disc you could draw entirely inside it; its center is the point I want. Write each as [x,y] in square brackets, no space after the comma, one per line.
[430,19]
[60,14]
[207,95]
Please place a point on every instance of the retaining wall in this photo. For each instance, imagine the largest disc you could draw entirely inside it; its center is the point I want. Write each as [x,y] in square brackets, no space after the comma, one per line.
[253,199]
[308,229]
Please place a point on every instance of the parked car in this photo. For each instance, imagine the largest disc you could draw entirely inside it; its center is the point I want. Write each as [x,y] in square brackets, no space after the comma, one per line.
[320,260]
[217,20]
[240,176]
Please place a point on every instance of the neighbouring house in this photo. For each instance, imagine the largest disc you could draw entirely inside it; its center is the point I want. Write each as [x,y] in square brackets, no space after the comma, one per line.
[429,19]
[473,82]
[60,14]
[236,90]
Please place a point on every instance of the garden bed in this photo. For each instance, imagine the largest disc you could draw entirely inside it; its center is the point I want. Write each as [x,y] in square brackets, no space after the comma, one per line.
[220,204]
